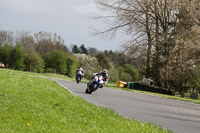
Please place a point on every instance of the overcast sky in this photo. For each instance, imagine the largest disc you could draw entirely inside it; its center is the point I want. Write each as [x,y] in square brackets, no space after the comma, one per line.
[72,19]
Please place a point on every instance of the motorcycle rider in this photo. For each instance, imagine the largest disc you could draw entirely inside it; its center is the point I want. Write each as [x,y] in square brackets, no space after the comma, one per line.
[104,74]
[79,70]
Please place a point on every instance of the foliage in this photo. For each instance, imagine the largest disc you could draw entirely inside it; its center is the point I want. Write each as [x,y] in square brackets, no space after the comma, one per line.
[34,62]
[166,32]
[6,37]
[46,52]
[194,78]
[26,40]
[83,49]
[132,71]
[62,62]
[17,58]
[89,64]
[92,51]
[56,60]
[113,75]
[50,70]
[104,61]
[72,64]
[5,52]
[75,49]
[124,76]
[47,42]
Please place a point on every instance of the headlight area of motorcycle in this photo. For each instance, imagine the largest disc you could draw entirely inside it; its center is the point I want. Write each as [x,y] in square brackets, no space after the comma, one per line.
[100,78]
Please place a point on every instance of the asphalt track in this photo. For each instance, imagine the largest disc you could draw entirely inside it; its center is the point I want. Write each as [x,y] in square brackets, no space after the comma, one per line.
[179,116]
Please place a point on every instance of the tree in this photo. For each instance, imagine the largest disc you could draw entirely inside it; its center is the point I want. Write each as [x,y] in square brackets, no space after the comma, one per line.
[75,49]
[104,61]
[72,64]
[132,71]
[169,28]
[17,58]
[5,52]
[33,62]
[56,60]
[6,37]
[92,51]
[124,76]
[83,49]
[113,75]
[132,17]
[26,40]
[185,55]
[89,64]
[47,42]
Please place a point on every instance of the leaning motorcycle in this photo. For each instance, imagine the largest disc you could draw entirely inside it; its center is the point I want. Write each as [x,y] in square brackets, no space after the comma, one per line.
[78,76]
[96,82]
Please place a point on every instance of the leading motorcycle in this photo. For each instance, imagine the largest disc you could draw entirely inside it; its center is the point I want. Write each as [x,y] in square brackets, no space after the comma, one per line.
[96,82]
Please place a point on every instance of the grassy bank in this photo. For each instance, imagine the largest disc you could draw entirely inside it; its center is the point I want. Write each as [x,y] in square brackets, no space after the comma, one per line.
[32,104]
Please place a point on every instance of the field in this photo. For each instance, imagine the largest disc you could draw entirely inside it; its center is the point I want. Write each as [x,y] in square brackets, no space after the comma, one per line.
[34,104]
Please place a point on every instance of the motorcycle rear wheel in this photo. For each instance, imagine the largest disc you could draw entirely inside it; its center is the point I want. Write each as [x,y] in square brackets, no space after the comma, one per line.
[78,79]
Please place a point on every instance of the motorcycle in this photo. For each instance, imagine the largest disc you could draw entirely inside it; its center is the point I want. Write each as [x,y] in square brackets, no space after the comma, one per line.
[96,82]
[79,75]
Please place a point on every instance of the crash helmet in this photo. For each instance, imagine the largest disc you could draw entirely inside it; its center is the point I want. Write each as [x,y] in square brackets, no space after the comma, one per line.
[104,71]
[81,69]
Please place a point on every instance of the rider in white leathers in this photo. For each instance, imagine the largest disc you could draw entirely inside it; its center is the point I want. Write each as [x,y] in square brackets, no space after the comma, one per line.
[104,75]
[81,72]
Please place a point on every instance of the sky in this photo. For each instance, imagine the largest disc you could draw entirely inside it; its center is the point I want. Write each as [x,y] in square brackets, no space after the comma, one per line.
[72,19]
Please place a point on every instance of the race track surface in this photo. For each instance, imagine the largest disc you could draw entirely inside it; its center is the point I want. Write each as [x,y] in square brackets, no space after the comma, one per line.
[179,116]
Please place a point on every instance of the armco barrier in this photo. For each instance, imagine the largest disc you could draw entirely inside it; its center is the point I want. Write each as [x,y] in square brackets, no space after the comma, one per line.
[144,87]
[155,89]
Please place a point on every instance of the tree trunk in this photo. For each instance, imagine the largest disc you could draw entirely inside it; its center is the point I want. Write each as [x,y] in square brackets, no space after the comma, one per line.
[149,36]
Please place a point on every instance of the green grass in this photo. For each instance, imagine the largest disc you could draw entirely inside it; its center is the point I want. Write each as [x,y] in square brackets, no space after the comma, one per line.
[32,104]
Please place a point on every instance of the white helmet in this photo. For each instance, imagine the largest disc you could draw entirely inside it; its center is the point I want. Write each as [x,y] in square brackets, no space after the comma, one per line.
[81,69]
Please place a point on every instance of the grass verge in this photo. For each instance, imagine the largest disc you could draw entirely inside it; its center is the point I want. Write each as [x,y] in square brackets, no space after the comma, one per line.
[32,104]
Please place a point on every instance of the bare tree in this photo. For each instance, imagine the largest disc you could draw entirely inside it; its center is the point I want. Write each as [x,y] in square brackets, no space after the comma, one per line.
[169,28]
[6,37]
[133,18]
[47,42]
[26,40]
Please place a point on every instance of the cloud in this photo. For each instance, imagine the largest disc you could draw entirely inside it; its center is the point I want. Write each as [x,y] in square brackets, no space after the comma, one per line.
[69,18]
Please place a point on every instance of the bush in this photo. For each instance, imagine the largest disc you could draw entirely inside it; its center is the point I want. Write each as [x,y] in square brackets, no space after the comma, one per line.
[89,64]
[50,70]
[17,58]
[72,64]
[56,60]
[34,62]
[113,75]
[104,61]
[132,71]
[5,52]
